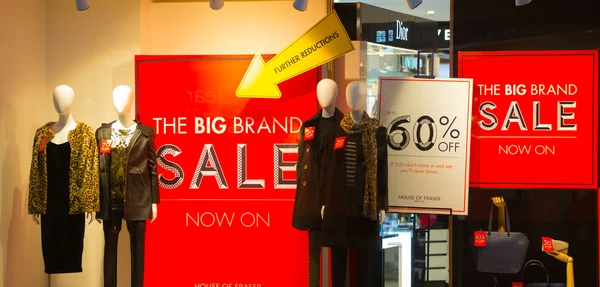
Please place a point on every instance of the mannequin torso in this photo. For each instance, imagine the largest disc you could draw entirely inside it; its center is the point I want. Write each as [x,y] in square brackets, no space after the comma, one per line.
[123,100]
[63,101]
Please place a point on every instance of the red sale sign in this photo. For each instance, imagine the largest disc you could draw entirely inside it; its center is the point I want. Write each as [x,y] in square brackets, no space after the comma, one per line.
[227,173]
[535,116]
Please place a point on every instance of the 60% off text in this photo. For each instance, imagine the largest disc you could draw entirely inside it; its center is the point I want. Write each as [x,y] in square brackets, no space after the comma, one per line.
[424,132]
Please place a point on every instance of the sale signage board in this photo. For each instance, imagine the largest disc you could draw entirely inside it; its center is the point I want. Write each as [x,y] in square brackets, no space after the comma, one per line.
[227,174]
[428,123]
[535,116]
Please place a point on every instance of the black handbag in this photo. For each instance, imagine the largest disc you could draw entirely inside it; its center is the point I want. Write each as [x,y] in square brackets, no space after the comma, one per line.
[504,252]
[492,280]
[536,263]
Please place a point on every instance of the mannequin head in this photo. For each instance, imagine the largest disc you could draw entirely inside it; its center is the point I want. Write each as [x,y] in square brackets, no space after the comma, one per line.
[356,93]
[122,99]
[327,91]
[63,99]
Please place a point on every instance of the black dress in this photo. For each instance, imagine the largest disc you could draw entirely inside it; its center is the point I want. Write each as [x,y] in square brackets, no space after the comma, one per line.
[62,233]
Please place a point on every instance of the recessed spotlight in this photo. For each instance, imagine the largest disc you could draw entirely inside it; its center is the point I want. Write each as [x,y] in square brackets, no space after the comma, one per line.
[412,4]
[300,5]
[430,12]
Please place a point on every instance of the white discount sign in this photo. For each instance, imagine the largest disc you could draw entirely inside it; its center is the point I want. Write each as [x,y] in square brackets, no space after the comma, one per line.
[429,127]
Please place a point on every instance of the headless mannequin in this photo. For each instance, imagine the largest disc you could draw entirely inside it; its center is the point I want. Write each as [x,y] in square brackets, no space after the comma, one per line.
[356,94]
[123,100]
[63,101]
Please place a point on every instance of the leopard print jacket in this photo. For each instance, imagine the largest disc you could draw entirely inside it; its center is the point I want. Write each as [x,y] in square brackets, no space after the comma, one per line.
[84,187]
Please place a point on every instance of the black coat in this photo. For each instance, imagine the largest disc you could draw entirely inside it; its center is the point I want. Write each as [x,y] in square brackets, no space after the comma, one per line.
[339,227]
[307,209]
[141,189]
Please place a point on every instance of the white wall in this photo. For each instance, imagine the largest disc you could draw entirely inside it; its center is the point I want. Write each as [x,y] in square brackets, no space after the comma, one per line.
[22,96]
[239,28]
[47,43]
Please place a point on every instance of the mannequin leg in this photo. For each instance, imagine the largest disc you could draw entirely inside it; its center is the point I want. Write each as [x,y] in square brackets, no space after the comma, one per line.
[339,267]
[112,227]
[137,235]
[314,258]
[370,272]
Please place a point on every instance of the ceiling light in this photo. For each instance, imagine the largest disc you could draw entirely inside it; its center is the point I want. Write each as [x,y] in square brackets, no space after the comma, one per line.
[216,4]
[522,2]
[301,5]
[412,4]
[430,12]
[82,5]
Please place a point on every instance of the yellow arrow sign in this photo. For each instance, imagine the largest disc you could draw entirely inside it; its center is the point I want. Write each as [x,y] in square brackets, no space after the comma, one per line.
[325,41]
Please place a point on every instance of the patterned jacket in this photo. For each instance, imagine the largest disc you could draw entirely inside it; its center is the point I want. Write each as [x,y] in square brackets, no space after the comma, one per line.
[83,175]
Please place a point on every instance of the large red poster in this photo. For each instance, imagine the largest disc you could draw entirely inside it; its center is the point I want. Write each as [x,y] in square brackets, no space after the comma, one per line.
[535,118]
[227,174]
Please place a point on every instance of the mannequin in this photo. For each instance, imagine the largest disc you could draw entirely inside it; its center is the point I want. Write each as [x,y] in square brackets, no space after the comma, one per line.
[499,202]
[315,134]
[561,250]
[327,92]
[63,101]
[356,94]
[128,185]
[355,193]
[63,185]
[123,100]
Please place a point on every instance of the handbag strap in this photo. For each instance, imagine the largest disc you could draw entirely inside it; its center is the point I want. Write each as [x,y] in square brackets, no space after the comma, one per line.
[506,217]
[496,284]
[535,263]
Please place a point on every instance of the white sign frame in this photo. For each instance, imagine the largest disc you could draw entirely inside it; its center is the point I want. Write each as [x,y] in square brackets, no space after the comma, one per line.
[431,181]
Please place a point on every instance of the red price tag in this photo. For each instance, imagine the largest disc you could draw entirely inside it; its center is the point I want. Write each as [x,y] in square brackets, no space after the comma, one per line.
[339,142]
[105,147]
[547,244]
[518,284]
[309,133]
[43,144]
[479,238]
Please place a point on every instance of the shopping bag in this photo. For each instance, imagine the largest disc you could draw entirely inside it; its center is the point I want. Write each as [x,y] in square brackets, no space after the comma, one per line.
[536,263]
[504,252]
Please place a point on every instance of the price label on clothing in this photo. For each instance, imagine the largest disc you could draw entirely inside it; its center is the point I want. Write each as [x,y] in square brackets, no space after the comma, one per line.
[43,144]
[105,147]
[309,133]
[547,244]
[339,142]
[480,239]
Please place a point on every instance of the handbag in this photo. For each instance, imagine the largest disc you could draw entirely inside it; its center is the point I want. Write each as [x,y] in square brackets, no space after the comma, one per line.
[536,263]
[504,252]
[493,280]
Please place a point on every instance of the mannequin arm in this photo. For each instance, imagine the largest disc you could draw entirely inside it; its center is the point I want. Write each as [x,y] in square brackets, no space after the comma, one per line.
[89,215]
[154,212]
[499,202]
[36,218]
[569,260]
[322,211]
[381,216]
